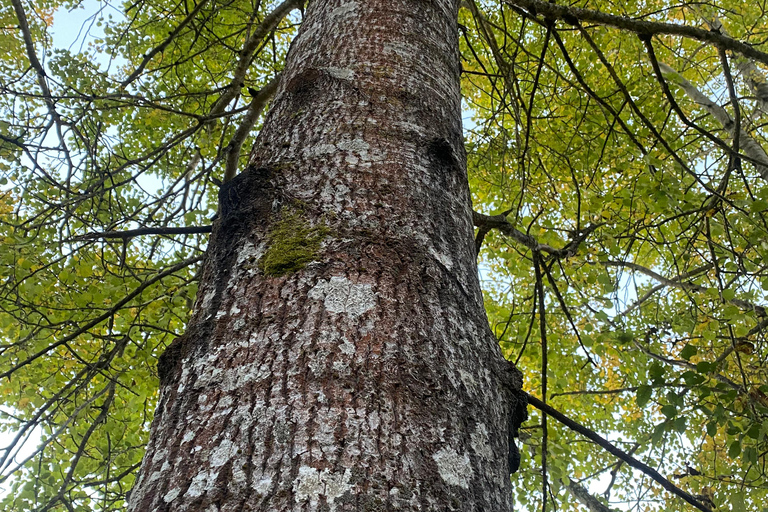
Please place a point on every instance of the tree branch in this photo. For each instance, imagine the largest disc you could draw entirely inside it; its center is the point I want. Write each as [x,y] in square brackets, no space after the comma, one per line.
[747,144]
[246,125]
[583,495]
[162,46]
[268,24]
[573,15]
[96,321]
[500,222]
[759,310]
[130,233]
[613,450]
[749,72]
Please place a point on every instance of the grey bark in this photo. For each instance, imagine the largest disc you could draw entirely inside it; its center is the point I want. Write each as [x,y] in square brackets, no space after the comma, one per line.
[586,498]
[339,356]
[747,143]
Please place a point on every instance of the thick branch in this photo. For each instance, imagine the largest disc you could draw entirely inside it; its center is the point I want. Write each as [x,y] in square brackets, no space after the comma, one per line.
[130,233]
[41,78]
[573,15]
[686,275]
[748,306]
[267,25]
[500,222]
[747,144]
[613,450]
[246,125]
[32,55]
[749,72]
[583,495]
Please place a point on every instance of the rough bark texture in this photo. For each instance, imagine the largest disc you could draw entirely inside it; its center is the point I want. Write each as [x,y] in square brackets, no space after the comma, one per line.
[339,357]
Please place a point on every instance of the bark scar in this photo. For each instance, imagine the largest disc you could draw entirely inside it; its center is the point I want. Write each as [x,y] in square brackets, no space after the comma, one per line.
[518,414]
[443,152]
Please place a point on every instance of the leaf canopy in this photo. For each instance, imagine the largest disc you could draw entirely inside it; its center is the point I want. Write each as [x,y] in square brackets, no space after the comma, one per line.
[618,168]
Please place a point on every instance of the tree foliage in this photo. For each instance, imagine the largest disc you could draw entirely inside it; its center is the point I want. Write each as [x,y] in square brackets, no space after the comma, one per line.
[617,164]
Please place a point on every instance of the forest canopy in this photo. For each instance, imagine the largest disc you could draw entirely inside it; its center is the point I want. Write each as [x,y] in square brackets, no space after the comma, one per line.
[616,153]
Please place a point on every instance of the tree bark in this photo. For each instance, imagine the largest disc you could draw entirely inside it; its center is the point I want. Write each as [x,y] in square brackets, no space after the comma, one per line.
[339,356]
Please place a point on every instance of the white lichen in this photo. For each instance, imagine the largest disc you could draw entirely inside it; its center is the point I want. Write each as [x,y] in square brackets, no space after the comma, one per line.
[454,469]
[262,486]
[340,295]
[171,495]
[311,484]
[341,73]
[248,252]
[354,145]
[320,150]
[347,348]
[202,483]
[445,260]
[159,455]
[481,444]
[344,10]
[183,379]
[468,379]
[222,453]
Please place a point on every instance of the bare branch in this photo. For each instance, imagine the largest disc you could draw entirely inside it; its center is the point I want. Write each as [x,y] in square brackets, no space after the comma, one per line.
[130,233]
[759,310]
[267,25]
[747,144]
[583,495]
[500,222]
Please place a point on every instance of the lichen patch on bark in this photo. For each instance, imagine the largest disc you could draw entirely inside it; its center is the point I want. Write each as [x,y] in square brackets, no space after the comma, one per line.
[455,469]
[171,495]
[340,295]
[311,484]
[481,443]
[202,483]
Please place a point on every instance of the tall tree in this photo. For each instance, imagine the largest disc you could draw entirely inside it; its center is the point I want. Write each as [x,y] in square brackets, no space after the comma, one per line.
[616,160]
[339,356]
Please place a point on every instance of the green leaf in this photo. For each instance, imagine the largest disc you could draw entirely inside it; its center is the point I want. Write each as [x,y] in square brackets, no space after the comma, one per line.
[670,411]
[758,205]
[680,424]
[643,395]
[737,502]
[688,351]
[658,433]
[734,450]
[692,378]
[656,372]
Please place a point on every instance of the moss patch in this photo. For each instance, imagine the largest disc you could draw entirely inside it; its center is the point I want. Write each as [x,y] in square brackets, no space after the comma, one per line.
[293,243]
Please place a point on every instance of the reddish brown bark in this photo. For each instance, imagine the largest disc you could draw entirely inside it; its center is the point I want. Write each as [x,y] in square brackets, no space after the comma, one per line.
[364,375]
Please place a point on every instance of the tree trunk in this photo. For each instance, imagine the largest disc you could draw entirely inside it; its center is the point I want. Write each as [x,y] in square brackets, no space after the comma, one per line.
[339,356]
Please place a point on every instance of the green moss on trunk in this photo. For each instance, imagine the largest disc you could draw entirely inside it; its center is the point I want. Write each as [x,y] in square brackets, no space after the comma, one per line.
[293,242]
